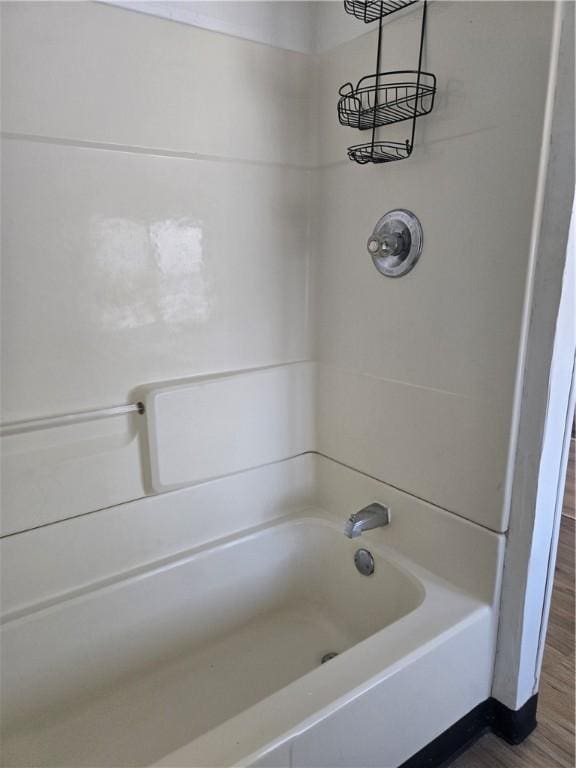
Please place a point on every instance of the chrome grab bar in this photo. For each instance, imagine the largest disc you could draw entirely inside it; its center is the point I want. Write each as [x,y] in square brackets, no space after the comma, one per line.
[32,425]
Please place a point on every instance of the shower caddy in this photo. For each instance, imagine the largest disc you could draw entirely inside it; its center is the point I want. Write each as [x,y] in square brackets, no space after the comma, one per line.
[385,97]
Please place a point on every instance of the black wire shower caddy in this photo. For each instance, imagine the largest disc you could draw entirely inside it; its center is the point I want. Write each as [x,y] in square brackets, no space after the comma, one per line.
[371,10]
[385,97]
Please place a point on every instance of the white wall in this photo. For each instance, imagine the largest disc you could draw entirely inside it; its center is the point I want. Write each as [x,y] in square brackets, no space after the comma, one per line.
[170,265]
[544,420]
[164,201]
[417,375]
[281,23]
[156,198]
[297,25]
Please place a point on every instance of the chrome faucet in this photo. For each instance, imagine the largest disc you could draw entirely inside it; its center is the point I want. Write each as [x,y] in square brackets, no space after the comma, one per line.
[375,515]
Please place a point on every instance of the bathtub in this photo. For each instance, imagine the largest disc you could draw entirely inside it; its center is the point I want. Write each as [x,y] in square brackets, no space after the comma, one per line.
[214,657]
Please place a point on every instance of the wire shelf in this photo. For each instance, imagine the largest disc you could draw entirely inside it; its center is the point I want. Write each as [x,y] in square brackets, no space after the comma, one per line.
[385,98]
[372,10]
[380,152]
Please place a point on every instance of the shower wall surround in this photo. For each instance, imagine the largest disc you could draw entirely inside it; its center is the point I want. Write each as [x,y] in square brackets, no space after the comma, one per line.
[417,375]
[155,227]
[178,203]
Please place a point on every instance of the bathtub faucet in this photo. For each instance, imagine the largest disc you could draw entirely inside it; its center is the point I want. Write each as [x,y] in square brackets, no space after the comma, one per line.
[375,515]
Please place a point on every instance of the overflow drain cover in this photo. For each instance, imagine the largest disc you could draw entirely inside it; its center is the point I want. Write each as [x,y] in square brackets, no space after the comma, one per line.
[364,562]
[328,656]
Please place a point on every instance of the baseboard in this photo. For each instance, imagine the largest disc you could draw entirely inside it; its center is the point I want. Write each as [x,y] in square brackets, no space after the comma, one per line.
[511,725]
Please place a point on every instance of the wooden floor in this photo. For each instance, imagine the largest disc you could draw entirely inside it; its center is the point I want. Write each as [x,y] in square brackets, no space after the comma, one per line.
[569,507]
[551,745]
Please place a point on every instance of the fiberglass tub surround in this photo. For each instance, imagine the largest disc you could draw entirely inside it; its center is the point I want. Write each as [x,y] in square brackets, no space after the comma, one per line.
[131,211]
[136,666]
[176,577]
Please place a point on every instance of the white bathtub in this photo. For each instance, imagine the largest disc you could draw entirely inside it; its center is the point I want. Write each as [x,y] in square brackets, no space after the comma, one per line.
[213,657]
[192,644]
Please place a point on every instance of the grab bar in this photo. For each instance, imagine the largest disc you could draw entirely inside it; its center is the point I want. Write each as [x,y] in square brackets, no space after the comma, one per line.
[31,425]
